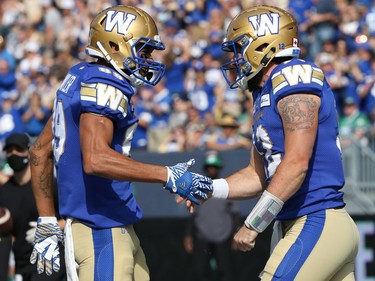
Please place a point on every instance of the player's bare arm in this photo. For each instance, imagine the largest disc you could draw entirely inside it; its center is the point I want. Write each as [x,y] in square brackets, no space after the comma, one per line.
[246,183]
[299,114]
[41,160]
[101,160]
[249,181]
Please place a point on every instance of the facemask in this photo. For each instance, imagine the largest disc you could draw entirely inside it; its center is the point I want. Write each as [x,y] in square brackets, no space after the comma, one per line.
[17,163]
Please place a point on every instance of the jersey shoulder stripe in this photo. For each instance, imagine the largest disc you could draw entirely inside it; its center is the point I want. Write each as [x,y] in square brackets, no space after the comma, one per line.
[104,95]
[297,76]
[103,91]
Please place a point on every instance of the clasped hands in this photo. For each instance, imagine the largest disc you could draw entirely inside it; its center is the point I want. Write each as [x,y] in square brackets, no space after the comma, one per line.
[191,186]
[196,188]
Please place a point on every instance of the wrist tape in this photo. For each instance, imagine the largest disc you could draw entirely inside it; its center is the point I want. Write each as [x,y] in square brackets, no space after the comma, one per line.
[220,189]
[264,212]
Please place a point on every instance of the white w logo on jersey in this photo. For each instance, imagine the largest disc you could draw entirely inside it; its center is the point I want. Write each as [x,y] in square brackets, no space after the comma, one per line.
[120,20]
[108,95]
[270,22]
[294,74]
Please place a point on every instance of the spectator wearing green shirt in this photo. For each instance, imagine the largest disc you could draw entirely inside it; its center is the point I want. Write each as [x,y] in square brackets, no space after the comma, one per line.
[353,124]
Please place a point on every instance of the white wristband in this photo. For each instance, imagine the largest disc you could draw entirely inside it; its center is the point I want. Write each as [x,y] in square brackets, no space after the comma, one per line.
[220,189]
[264,212]
[47,220]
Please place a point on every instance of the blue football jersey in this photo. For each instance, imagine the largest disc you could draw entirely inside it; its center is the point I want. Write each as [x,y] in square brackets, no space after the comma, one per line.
[325,177]
[95,201]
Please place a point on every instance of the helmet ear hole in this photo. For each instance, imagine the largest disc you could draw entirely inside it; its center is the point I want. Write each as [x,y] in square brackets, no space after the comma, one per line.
[114,46]
[262,47]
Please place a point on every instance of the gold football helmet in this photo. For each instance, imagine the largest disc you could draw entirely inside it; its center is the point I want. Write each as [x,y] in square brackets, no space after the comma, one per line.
[125,37]
[256,36]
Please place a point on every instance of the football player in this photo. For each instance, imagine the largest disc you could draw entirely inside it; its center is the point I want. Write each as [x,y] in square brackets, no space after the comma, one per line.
[295,163]
[89,136]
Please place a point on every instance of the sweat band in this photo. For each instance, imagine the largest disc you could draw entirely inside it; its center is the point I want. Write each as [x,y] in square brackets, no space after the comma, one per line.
[220,189]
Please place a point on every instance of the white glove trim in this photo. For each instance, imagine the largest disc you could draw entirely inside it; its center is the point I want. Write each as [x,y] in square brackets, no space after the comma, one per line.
[170,176]
[220,189]
[264,212]
[47,220]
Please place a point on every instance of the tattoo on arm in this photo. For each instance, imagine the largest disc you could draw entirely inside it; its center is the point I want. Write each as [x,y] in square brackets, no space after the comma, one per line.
[35,159]
[44,166]
[298,112]
[45,179]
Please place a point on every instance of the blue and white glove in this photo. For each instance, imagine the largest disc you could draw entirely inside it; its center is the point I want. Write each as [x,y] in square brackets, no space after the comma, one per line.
[46,252]
[187,184]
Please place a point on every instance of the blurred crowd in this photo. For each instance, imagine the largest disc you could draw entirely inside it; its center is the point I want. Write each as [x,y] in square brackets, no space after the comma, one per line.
[192,107]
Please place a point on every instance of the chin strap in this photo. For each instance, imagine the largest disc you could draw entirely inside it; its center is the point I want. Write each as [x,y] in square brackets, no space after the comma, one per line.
[242,83]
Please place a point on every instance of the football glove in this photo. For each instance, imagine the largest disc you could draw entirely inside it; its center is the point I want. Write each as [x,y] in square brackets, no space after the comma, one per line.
[186,184]
[46,245]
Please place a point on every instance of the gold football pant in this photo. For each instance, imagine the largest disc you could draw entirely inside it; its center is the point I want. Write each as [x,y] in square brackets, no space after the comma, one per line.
[108,254]
[318,247]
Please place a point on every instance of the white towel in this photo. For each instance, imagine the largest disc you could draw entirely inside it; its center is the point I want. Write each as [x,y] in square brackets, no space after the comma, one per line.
[71,266]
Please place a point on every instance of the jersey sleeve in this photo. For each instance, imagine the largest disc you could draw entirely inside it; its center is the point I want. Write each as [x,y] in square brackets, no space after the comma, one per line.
[301,77]
[105,94]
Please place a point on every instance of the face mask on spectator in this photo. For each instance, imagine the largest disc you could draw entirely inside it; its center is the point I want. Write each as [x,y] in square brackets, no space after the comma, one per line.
[17,163]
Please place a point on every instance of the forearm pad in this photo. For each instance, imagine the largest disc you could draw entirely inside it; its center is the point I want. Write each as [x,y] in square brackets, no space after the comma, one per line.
[264,212]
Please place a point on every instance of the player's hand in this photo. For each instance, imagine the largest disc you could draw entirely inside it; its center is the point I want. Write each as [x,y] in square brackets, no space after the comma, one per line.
[46,245]
[30,234]
[204,184]
[244,239]
[190,206]
[188,185]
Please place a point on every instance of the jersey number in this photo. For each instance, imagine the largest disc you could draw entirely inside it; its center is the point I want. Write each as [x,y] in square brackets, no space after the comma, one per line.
[273,160]
[59,132]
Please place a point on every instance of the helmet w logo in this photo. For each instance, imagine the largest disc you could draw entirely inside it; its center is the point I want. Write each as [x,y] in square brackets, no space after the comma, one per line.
[262,23]
[120,20]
